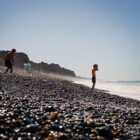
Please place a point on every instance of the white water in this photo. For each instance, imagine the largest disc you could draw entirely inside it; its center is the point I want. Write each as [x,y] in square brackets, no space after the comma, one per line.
[130,90]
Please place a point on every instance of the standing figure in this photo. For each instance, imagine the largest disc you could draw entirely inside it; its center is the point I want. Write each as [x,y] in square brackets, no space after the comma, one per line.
[9,62]
[95,68]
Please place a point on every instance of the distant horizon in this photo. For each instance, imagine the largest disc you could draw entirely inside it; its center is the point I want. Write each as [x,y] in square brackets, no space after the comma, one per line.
[76,34]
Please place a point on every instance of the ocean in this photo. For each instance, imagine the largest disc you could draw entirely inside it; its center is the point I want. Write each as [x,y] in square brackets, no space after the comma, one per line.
[124,89]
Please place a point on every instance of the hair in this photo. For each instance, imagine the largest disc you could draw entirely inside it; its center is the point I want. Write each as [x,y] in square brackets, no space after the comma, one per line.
[13,50]
[95,65]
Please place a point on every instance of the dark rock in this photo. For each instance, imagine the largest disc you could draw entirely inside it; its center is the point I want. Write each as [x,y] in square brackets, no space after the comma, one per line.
[7,98]
[62,128]
[137,138]
[105,132]
[62,136]
[77,128]
[27,120]
[44,133]
[49,109]
[55,126]
[87,129]
[84,138]
[31,128]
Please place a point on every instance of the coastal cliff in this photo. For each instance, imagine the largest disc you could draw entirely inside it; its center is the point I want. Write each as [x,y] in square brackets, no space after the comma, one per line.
[21,58]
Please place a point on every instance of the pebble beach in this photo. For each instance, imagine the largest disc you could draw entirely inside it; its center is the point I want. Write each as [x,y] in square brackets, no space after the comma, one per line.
[37,107]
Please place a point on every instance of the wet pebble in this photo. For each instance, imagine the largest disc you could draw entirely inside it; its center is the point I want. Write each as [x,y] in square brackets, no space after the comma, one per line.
[53,116]
[31,128]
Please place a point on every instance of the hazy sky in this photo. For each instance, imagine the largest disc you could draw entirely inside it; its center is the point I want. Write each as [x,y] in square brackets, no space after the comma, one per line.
[76,34]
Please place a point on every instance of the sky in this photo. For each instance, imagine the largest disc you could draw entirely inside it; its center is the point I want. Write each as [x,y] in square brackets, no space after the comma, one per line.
[76,34]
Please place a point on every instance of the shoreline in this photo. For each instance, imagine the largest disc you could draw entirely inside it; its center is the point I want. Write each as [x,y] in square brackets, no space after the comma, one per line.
[107,87]
[40,107]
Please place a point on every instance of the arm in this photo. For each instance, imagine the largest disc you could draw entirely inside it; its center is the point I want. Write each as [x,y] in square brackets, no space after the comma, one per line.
[12,59]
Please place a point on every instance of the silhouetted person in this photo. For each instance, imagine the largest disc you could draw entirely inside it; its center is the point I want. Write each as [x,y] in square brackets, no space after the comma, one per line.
[9,61]
[95,68]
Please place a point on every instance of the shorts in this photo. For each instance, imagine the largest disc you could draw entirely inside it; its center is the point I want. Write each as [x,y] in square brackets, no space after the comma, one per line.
[8,63]
[93,79]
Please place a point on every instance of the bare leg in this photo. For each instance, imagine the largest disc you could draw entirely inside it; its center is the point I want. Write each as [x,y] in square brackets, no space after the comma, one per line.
[93,86]
[93,91]
[7,70]
[11,69]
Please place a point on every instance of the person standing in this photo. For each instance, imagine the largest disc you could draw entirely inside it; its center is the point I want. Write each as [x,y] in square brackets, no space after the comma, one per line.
[95,68]
[9,60]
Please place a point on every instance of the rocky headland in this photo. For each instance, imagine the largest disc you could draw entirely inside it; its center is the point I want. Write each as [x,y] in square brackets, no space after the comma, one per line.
[21,58]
